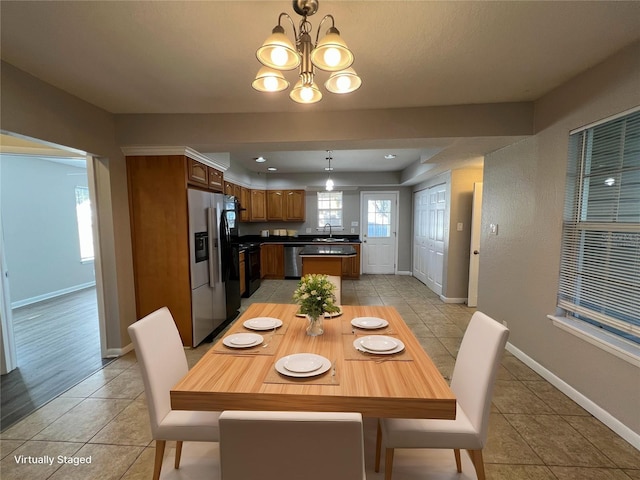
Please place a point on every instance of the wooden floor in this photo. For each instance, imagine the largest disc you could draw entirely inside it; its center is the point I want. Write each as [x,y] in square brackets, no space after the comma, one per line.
[57,346]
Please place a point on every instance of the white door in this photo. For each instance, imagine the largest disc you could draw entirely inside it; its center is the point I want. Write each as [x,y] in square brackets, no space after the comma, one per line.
[437,204]
[379,241]
[420,228]
[474,258]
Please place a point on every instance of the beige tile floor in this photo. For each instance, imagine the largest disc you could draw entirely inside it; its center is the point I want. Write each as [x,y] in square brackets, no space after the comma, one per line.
[536,432]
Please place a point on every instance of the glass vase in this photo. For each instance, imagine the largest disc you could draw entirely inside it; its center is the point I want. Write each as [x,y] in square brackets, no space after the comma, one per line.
[315,326]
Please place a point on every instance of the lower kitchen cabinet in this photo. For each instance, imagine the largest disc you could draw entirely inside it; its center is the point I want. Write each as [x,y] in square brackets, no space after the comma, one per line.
[272,261]
[351,265]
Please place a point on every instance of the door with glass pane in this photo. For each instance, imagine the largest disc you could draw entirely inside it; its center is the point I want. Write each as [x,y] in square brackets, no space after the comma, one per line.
[379,240]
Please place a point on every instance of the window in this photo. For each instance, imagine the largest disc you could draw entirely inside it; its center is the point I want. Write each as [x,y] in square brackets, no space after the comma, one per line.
[330,209]
[600,262]
[379,218]
[83,215]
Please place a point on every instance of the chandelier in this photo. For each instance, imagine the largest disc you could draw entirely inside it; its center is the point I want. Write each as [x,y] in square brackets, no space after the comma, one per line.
[330,54]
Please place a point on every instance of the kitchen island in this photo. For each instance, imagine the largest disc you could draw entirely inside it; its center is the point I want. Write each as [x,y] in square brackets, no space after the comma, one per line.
[325,259]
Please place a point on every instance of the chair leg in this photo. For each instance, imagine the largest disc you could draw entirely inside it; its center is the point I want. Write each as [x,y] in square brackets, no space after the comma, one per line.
[388,464]
[178,453]
[378,447]
[478,463]
[456,452]
[160,444]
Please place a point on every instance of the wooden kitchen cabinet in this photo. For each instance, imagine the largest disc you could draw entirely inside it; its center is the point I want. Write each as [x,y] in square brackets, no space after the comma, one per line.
[228,188]
[286,205]
[245,203]
[243,269]
[351,265]
[258,206]
[197,173]
[295,205]
[272,261]
[160,234]
[215,180]
[275,205]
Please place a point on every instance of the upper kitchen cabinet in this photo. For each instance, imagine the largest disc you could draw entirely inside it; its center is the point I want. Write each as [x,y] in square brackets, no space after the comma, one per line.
[216,180]
[294,205]
[204,176]
[197,173]
[228,188]
[286,205]
[258,206]
[245,204]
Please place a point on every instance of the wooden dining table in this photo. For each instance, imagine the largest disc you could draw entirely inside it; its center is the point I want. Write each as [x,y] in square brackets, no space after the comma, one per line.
[403,385]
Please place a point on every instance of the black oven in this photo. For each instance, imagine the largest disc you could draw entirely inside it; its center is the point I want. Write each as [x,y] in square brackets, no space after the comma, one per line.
[252,269]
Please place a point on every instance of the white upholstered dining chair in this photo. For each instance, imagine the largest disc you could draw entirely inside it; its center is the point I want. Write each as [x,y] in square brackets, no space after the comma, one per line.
[291,446]
[162,362]
[472,383]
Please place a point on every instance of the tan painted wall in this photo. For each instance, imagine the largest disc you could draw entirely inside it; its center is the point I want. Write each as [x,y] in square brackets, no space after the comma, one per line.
[524,193]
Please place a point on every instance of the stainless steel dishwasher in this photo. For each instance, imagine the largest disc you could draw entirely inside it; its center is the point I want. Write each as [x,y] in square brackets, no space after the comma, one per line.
[292,261]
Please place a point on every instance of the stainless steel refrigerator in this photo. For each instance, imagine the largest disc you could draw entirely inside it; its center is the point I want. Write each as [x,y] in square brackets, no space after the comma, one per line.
[214,261]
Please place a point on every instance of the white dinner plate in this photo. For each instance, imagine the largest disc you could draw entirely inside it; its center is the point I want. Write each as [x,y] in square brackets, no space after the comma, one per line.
[303,363]
[262,323]
[357,343]
[242,340]
[369,323]
[290,360]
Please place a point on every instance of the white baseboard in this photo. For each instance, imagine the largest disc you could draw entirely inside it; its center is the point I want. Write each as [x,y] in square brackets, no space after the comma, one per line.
[118,352]
[47,296]
[403,272]
[453,300]
[601,414]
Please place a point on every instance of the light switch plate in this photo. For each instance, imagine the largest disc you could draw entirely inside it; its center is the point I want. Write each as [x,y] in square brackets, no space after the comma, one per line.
[308,230]
[493,229]
[460,226]
[354,224]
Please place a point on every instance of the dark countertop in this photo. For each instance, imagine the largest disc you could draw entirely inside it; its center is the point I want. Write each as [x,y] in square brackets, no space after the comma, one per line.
[299,240]
[334,250]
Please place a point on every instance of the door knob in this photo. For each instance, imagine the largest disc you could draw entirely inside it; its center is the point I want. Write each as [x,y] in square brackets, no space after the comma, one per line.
[476,252]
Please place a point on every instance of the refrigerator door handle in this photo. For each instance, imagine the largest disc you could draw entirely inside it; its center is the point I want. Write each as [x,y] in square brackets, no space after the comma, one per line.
[214,257]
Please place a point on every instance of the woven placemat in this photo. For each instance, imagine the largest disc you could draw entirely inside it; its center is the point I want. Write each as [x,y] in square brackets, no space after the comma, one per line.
[324,379]
[351,353]
[272,341]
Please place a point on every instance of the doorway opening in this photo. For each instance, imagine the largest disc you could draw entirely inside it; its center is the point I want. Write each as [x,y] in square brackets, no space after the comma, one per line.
[50,309]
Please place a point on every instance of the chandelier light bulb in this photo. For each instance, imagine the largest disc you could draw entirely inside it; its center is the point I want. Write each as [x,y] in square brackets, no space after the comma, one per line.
[343,83]
[306,94]
[332,56]
[279,56]
[329,185]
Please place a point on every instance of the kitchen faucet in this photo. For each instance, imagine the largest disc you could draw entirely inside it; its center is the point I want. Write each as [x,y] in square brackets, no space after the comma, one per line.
[325,226]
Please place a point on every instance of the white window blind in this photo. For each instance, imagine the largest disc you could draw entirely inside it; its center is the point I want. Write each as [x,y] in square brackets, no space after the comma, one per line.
[600,262]
[329,209]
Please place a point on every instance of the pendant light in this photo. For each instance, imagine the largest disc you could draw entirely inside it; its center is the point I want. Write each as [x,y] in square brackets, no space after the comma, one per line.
[329,185]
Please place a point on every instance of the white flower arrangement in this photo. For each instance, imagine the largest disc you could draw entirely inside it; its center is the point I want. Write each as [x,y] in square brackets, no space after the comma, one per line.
[315,294]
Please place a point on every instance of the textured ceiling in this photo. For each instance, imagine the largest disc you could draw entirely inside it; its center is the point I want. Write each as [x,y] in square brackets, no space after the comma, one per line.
[199,56]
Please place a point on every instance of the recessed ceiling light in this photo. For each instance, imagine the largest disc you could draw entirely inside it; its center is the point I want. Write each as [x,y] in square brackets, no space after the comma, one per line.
[272,169]
[329,169]
[389,156]
[261,159]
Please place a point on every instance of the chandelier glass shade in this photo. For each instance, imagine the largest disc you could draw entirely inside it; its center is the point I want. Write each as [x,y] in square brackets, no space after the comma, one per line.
[329,54]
